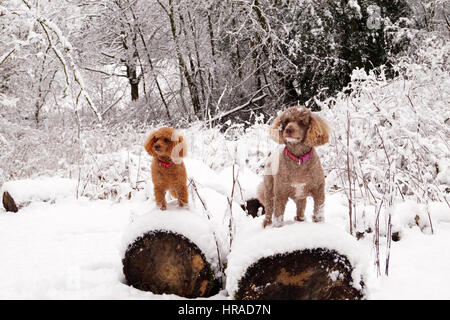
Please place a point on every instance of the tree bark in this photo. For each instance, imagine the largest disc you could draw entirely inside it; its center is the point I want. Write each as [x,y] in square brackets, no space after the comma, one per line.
[192,87]
[166,262]
[253,208]
[134,82]
[8,203]
[316,274]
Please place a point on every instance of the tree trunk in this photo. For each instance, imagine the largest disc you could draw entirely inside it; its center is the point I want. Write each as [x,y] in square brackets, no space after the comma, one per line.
[317,274]
[167,262]
[134,82]
[193,91]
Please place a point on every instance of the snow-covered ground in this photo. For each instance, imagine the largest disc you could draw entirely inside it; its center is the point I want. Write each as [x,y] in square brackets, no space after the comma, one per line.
[70,248]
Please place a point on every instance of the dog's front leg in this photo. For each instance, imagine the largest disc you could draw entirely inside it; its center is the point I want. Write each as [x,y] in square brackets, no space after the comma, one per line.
[182,195]
[160,197]
[279,207]
[301,204]
[268,200]
[319,201]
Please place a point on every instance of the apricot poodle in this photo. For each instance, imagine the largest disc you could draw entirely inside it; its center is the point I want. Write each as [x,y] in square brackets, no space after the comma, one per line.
[168,147]
[294,171]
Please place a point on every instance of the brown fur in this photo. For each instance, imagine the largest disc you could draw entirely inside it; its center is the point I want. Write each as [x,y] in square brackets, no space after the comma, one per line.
[299,130]
[168,146]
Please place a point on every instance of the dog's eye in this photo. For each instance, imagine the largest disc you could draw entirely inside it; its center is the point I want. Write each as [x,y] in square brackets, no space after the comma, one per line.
[166,140]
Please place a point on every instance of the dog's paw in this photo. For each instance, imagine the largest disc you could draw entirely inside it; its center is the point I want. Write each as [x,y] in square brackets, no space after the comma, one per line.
[318,219]
[267,222]
[302,219]
[278,222]
[182,204]
[163,207]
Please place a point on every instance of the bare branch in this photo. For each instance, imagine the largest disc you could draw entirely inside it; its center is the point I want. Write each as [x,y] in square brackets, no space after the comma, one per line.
[5,56]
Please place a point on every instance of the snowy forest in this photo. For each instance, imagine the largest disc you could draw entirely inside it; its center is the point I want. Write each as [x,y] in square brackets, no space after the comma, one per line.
[83,83]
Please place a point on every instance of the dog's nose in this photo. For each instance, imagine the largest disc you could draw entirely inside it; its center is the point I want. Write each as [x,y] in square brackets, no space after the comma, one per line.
[157,146]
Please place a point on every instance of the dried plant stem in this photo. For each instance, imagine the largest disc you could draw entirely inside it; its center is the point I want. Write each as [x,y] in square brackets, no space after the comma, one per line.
[193,186]
[138,172]
[350,199]
[230,204]
[377,239]
[388,245]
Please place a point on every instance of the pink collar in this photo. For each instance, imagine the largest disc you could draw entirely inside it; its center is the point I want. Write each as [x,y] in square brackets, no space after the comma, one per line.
[300,159]
[165,164]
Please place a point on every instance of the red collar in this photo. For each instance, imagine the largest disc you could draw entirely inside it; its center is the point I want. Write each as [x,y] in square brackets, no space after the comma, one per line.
[300,159]
[165,164]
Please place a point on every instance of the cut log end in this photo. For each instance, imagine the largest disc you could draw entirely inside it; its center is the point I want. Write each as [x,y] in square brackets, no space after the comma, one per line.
[167,262]
[317,274]
[8,202]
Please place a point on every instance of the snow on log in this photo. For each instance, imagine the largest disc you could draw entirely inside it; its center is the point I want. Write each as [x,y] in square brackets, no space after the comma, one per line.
[296,261]
[175,251]
[19,193]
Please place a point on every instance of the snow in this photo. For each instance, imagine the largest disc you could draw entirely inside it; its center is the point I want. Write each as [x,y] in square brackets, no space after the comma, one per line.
[72,248]
[41,189]
[419,267]
[354,5]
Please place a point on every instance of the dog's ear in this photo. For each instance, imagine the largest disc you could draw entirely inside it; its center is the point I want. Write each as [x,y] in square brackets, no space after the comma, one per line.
[276,132]
[183,147]
[318,132]
[148,145]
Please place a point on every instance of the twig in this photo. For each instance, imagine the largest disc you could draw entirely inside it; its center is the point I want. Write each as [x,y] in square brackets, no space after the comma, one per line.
[350,200]
[388,244]
[251,101]
[194,187]
[4,57]
[138,171]
[377,239]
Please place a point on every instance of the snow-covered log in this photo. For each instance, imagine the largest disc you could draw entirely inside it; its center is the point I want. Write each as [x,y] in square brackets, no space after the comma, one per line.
[19,193]
[296,261]
[172,252]
[315,274]
[166,262]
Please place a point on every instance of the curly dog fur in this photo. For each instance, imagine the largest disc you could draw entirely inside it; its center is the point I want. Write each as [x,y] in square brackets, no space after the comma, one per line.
[300,131]
[168,147]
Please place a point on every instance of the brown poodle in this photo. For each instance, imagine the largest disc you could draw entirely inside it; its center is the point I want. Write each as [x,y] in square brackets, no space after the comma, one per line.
[294,172]
[167,148]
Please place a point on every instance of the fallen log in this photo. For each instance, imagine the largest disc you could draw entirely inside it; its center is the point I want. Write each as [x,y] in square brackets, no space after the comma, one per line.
[175,251]
[317,274]
[17,194]
[167,262]
[296,261]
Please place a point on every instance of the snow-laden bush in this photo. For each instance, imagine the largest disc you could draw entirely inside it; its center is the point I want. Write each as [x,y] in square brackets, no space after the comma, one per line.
[97,156]
[390,144]
[221,146]
[26,151]
[398,129]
